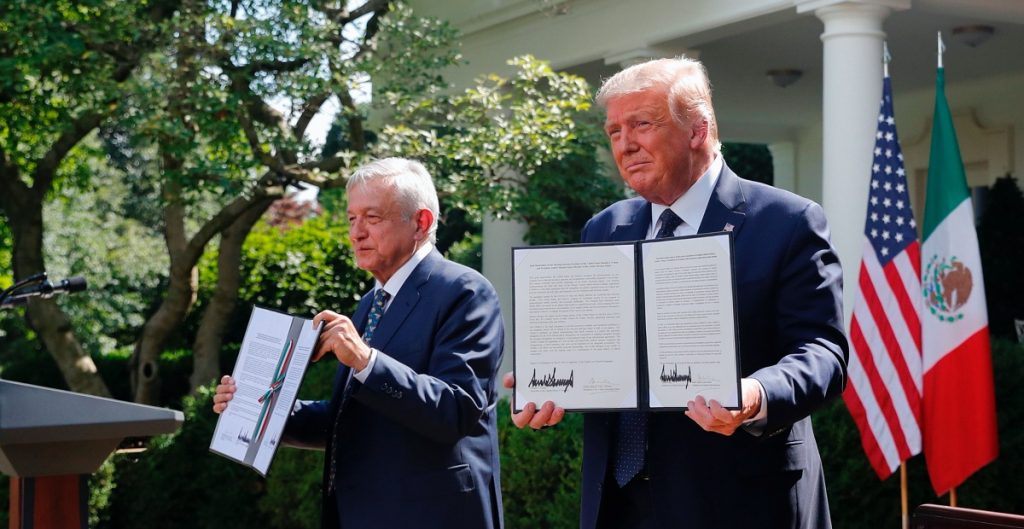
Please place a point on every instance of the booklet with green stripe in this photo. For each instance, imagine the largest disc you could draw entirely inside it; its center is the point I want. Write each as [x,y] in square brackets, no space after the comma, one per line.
[271,363]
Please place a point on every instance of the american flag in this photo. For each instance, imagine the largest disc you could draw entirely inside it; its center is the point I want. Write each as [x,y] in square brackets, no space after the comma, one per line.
[884,390]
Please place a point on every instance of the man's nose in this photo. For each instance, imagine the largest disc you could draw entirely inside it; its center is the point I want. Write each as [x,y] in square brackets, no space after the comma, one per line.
[626,141]
[356,230]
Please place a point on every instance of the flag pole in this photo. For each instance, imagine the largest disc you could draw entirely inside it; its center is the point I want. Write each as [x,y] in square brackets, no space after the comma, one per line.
[886,58]
[952,497]
[904,509]
[941,46]
[903,495]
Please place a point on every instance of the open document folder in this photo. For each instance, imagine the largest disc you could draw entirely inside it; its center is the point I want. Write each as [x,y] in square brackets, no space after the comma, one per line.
[270,366]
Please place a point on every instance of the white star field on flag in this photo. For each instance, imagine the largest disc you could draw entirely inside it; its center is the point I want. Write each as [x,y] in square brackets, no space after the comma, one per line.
[890,226]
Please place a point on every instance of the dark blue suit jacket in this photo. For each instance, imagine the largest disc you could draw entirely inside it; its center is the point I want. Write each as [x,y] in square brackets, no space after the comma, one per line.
[418,442]
[791,338]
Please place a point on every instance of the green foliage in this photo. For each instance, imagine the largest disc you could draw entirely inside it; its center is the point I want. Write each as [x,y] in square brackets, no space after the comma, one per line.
[301,269]
[59,61]
[178,470]
[123,260]
[858,499]
[1001,243]
[6,246]
[564,193]
[468,251]
[752,161]
[178,483]
[540,472]
[483,144]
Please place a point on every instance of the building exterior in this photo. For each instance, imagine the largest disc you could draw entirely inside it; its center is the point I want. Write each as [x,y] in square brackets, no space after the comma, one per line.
[820,126]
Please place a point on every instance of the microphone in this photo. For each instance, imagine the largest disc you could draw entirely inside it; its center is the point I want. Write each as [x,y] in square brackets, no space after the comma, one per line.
[45,290]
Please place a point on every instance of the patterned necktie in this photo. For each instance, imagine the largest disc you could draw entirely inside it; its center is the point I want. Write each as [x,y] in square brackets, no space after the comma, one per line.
[631,440]
[380,299]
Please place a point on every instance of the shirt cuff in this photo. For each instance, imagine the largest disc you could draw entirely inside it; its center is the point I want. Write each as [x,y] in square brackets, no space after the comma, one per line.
[756,424]
[361,375]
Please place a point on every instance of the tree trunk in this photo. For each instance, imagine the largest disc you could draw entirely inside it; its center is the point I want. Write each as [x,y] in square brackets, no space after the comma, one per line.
[44,315]
[209,338]
[181,294]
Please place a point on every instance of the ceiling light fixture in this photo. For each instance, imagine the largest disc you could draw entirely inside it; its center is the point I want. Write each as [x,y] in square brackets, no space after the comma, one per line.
[973,35]
[783,77]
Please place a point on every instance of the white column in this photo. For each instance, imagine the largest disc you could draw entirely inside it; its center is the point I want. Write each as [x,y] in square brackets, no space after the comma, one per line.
[852,88]
[499,236]
[783,165]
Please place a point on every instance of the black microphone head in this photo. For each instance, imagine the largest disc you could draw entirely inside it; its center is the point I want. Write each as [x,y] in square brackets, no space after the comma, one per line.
[73,284]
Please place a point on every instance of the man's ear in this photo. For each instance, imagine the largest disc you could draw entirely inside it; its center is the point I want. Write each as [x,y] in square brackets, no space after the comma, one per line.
[699,133]
[424,219]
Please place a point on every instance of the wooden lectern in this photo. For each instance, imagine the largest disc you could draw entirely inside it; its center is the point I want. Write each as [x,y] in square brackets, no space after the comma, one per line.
[51,440]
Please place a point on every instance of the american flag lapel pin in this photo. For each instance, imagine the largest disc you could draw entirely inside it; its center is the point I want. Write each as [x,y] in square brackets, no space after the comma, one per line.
[728,227]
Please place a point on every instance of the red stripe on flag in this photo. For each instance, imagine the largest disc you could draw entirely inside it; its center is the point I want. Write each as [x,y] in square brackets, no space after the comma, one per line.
[907,307]
[882,396]
[892,348]
[889,341]
[867,437]
[907,310]
[960,413]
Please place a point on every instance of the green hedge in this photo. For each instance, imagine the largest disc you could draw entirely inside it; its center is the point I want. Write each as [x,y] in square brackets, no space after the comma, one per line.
[540,472]
[858,499]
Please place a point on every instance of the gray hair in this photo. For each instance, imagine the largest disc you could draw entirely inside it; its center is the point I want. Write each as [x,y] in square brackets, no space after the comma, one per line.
[414,188]
[684,81]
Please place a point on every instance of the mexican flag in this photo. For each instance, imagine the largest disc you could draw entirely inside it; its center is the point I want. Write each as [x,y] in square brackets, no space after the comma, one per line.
[959,412]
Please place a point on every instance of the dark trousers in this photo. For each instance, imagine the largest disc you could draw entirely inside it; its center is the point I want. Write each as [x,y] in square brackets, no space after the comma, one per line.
[629,507]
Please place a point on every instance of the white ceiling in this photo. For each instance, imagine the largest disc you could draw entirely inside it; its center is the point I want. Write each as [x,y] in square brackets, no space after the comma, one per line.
[751,108]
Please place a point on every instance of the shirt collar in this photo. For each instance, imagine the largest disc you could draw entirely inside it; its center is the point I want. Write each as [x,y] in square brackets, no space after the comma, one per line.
[692,204]
[397,279]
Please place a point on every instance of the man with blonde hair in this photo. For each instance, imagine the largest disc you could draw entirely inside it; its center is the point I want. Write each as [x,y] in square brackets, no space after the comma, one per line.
[710,467]
[409,433]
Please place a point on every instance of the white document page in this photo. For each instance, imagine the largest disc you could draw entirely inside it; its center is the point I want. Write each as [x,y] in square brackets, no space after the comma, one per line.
[690,321]
[575,326]
[270,366]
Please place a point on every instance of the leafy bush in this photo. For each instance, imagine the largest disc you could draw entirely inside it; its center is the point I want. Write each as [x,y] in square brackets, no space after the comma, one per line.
[859,500]
[540,472]
[1001,242]
[301,269]
[178,483]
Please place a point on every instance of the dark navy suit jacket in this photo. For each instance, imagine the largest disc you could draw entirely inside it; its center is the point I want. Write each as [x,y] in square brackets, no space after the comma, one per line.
[791,339]
[417,442]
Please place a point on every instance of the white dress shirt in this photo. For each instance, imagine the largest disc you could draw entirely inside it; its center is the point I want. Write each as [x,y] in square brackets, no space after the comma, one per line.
[392,287]
[691,207]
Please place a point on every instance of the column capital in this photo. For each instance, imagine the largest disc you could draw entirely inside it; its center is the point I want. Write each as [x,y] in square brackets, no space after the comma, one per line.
[808,6]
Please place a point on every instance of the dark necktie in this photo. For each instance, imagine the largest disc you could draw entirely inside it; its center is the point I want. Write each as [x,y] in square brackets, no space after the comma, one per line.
[631,440]
[380,299]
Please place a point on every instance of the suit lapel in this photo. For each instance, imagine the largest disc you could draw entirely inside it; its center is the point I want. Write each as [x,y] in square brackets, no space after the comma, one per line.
[636,228]
[404,302]
[726,208]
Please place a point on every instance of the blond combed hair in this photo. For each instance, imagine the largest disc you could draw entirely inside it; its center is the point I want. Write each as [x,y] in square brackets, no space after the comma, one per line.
[684,82]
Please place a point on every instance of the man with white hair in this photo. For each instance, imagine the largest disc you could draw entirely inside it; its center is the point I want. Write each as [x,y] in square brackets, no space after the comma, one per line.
[710,467]
[409,433]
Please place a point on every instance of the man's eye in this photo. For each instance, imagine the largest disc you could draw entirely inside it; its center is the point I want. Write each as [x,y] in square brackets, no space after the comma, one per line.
[643,124]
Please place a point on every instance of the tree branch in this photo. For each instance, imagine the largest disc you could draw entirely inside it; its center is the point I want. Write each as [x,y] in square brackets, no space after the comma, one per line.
[356,134]
[309,110]
[228,214]
[42,177]
[344,16]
